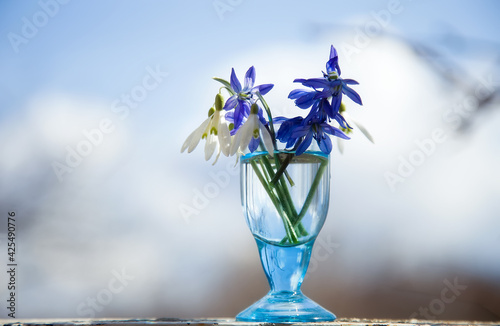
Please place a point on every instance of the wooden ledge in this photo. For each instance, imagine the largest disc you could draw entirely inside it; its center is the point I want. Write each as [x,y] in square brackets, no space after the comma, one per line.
[230,322]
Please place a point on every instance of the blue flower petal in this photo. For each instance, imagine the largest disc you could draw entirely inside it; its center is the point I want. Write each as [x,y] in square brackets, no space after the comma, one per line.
[350,82]
[342,122]
[287,127]
[263,89]
[306,100]
[333,62]
[291,142]
[284,133]
[316,83]
[240,112]
[246,107]
[260,115]
[305,144]
[328,108]
[279,119]
[231,103]
[254,143]
[351,94]
[333,52]
[336,101]
[300,131]
[320,111]
[334,131]
[325,144]
[336,82]
[296,93]
[238,117]
[250,78]
[326,93]
[333,65]
[235,83]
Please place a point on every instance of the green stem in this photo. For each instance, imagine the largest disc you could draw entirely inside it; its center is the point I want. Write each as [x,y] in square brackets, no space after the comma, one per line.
[288,159]
[281,191]
[297,224]
[284,195]
[288,225]
[269,116]
[282,169]
[312,191]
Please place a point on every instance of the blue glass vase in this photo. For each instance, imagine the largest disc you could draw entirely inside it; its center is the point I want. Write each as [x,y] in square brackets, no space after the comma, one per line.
[285,200]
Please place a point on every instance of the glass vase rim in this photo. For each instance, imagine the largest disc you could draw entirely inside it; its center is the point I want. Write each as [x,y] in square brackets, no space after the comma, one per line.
[283,151]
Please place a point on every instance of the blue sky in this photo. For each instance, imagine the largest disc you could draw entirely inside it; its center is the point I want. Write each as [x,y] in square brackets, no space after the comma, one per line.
[112,41]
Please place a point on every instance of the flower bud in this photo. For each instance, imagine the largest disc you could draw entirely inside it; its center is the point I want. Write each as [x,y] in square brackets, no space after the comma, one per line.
[219,102]
[254,109]
[342,107]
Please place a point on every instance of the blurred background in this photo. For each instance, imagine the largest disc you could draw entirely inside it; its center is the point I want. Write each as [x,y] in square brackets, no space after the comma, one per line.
[112,220]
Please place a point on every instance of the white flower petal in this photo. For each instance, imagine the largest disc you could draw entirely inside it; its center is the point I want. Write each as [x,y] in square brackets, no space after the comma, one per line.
[210,146]
[358,124]
[194,138]
[217,157]
[224,138]
[235,142]
[247,131]
[363,130]
[266,137]
[242,137]
[340,145]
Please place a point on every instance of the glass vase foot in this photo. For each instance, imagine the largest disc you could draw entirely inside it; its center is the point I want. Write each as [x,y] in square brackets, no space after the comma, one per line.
[285,307]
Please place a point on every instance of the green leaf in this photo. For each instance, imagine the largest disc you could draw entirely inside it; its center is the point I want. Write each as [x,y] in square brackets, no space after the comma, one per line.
[223,82]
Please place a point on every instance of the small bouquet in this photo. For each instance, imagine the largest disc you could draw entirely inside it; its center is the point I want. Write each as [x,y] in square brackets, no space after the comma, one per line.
[245,126]
[244,123]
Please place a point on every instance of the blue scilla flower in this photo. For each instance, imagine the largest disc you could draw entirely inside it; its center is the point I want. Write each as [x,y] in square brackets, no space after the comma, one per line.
[321,109]
[287,128]
[243,97]
[329,88]
[304,98]
[317,129]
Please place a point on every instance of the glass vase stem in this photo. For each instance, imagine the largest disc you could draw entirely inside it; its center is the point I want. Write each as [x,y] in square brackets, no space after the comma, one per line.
[285,268]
